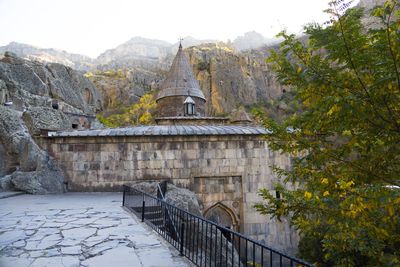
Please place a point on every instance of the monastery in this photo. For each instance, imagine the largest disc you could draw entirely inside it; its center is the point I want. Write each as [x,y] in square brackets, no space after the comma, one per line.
[224,161]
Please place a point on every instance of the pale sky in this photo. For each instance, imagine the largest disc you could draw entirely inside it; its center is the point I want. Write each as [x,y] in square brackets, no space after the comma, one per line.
[89,27]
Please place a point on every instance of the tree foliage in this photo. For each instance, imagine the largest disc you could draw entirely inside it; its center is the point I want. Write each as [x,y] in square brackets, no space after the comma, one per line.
[138,113]
[345,142]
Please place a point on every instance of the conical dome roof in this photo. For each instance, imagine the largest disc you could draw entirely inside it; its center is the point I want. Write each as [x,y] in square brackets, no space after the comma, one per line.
[180,80]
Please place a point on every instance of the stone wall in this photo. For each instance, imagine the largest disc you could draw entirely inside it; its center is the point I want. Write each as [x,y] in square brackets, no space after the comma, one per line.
[220,169]
[173,106]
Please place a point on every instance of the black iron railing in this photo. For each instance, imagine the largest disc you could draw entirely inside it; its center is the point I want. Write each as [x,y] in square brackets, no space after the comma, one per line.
[203,242]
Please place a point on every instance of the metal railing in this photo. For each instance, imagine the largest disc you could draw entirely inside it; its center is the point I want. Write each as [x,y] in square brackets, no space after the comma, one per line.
[162,189]
[168,221]
[202,241]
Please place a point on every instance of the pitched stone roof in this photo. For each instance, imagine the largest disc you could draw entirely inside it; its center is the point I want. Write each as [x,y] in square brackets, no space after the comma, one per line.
[166,130]
[180,80]
[240,115]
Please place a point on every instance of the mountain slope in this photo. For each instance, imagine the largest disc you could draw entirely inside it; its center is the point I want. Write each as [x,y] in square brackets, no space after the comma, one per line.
[75,61]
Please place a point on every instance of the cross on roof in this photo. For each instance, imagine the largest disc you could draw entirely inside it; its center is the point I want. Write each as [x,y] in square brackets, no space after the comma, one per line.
[180,42]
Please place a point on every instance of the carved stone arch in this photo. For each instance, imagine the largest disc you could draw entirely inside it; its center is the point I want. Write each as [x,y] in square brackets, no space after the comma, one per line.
[223,215]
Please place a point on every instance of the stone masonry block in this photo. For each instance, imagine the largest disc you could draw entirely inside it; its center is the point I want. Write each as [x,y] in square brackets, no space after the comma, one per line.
[190,154]
[80,166]
[220,154]
[230,153]
[167,155]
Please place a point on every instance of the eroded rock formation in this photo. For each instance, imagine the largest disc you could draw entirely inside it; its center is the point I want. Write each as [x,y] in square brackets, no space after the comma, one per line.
[123,88]
[31,83]
[229,78]
[30,168]
[36,98]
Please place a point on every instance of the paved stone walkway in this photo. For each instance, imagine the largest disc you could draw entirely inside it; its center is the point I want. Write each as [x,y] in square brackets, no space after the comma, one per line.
[5,194]
[77,229]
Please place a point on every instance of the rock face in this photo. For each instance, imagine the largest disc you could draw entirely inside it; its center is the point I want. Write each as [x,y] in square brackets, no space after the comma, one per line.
[36,84]
[368,20]
[36,97]
[32,170]
[369,4]
[37,118]
[31,84]
[122,88]
[229,78]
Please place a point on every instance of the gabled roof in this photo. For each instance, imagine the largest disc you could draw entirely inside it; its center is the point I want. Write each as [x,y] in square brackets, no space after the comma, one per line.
[189,100]
[240,115]
[180,80]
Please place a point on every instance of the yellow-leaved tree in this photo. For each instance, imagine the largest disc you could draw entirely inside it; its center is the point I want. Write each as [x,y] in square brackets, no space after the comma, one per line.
[138,113]
[345,139]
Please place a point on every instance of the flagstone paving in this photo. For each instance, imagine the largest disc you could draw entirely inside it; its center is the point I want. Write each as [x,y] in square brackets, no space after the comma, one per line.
[78,230]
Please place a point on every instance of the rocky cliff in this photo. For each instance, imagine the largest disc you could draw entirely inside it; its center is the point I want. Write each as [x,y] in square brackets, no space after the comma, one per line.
[251,40]
[120,88]
[229,78]
[24,166]
[143,53]
[35,98]
[31,83]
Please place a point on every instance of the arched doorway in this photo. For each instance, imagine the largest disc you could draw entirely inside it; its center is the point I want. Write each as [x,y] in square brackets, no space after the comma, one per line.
[224,216]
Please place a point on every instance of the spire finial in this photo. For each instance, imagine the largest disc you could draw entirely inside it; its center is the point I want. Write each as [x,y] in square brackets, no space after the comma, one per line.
[180,42]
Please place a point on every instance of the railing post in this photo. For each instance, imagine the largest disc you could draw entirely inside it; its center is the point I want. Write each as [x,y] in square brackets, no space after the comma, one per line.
[123,195]
[182,239]
[143,207]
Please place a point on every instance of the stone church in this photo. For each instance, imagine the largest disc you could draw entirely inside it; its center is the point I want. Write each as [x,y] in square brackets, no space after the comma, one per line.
[225,161]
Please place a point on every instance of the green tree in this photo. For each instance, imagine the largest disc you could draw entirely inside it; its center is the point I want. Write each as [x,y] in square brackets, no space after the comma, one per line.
[138,113]
[345,141]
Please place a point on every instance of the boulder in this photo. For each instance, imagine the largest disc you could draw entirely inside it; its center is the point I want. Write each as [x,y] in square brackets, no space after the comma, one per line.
[32,169]
[37,118]
[177,196]
[183,198]
[6,184]
[39,182]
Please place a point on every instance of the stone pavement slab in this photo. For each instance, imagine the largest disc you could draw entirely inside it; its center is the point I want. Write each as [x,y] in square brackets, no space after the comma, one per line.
[78,230]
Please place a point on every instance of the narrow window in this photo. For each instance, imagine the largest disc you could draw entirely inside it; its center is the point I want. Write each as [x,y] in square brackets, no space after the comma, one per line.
[189,106]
